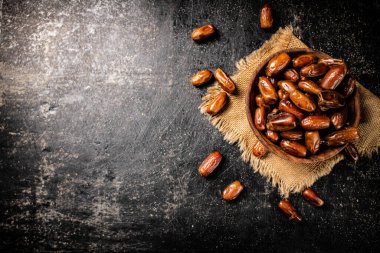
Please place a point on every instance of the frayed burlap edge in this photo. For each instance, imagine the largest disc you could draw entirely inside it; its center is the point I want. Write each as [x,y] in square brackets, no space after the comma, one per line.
[282,37]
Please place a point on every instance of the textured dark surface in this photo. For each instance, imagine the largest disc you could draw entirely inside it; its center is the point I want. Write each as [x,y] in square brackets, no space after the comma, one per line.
[100,135]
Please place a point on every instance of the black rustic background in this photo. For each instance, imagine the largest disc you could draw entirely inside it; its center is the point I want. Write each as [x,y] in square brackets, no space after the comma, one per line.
[100,133]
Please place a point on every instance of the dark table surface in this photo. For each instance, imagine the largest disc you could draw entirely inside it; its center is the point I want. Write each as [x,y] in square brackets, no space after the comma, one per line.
[100,133]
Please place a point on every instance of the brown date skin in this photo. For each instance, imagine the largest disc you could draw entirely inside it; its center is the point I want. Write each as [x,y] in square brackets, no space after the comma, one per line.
[210,163]
[309,86]
[311,98]
[293,148]
[291,75]
[298,98]
[312,123]
[287,86]
[266,17]
[281,121]
[289,107]
[282,94]
[292,135]
[302,101]
[311,196]
[341,137]
[287,208]
[314,70]
[217,104]
[351,153]
[259,150]
[280,128]
[277,64]
[312,141]
[333,77]
[339,118]
[232,191]
[224,81]
[201,77]
[349,88]
[267,90]
[331,61]
[203,33]
[260,102]
[329,99]
[272,136]
[303,60]
[260,117]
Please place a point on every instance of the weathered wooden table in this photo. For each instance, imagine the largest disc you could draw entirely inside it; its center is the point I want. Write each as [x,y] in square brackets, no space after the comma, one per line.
[100,135]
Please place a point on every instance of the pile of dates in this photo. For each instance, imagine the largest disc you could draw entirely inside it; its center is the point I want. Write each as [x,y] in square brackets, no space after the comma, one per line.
[302,104]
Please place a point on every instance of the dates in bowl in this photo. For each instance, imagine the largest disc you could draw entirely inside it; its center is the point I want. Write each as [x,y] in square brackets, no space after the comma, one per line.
[303,105]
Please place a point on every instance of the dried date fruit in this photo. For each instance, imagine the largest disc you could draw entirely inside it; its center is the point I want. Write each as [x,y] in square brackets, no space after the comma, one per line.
[287,86]
[314,70]
[281,121]
[272,136]
[298,98]
[280,128]
[293,148]
[201,77]
[333,77]
[312,99]
[312,123]
[292,135]
[260,102]
[259,150]
[260,118]
[291,75]
[232,191]
[351,153]
[267,90]
[210,163]
[329,99]
[349,88]
[341,137]
[266,17]
[282,94]
[312,141]
[289,107]
[309,86]
[277,64]
[311,196]
[331,62]
[217,104]
[339,118]
[303,60]
[203,33]
[302,101]
[224,81]
[287,208]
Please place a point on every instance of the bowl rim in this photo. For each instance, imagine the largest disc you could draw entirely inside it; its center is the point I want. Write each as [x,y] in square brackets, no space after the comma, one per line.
[276,149]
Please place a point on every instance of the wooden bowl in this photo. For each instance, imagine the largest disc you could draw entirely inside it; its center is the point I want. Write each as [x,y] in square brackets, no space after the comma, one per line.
[327,152]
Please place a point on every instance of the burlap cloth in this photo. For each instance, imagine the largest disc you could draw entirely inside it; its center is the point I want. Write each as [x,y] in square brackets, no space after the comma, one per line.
[288,176]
